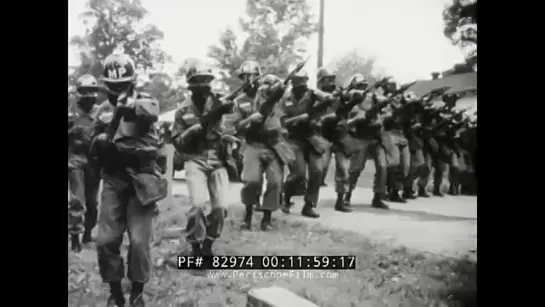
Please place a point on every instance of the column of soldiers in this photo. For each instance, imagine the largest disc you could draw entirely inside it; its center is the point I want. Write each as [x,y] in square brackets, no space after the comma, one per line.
[281,126]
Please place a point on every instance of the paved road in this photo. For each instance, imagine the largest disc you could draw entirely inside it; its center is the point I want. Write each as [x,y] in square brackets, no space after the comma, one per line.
[445,225]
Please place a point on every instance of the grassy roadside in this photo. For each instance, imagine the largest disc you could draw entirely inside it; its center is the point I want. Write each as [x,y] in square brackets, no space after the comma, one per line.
[384,276]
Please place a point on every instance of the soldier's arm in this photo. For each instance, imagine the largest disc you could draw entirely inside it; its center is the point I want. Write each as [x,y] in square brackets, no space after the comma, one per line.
[180,133]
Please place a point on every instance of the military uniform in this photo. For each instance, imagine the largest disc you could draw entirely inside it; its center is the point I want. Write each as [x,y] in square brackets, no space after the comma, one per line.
[204,167]
[84,178]
[308,147]
[260,158]
[128,153]
[83,173]
[369,138]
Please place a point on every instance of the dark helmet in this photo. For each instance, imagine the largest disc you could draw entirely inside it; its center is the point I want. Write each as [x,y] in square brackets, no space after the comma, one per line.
[322,73]
[119,73]
[199,74]
[300,78]
[248,68]
[358,79]
[87,86]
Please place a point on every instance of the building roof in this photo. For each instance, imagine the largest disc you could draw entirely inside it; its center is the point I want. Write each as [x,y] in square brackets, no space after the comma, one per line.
[458,83]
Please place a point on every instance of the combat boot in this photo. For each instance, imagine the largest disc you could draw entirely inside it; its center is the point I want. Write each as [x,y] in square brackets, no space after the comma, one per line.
[75,243]
[437,191]
[137,300]
[395,197]
[266,220]
[422,192]
[340,204]
[116,297]
[348,199]
[308,211]
[207,247]
[378,203]
[408,194]
[287,204]
[453,189]
[137,295]
[114,301]
[87,238]
[196,249]
[247,223]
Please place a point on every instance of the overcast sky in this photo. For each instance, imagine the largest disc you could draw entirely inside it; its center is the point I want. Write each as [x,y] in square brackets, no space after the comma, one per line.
[405,36]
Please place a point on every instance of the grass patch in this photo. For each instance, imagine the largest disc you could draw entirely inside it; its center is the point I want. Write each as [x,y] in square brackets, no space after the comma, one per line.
[384,276]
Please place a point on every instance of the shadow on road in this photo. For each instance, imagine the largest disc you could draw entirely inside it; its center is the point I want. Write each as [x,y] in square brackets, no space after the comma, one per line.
[411,213]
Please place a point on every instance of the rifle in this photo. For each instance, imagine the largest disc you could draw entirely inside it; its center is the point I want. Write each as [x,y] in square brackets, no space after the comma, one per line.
[216,114]
[266,108]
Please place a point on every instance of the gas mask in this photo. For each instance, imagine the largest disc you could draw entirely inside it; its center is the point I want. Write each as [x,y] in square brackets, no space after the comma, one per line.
[327,84]
[86,103]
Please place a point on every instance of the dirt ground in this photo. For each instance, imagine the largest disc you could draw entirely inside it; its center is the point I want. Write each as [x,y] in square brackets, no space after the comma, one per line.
[391,271]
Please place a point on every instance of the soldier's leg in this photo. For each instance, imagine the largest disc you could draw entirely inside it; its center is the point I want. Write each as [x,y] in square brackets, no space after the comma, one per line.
[111,226]
[274,173]
[405,166]
[342,180]
[296,176]
[419,170]
[454,174]
[140,231]
[424,175]
[439,165]
[327,161]
[252,175]
[218,186]
[92,183]
[381,172]
[395,173]
[196,174]
[357,165]
[315,170]
[76,207]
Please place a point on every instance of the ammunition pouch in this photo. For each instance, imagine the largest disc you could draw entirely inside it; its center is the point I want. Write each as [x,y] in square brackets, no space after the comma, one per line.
[149,187]
[318,144]
[283,151]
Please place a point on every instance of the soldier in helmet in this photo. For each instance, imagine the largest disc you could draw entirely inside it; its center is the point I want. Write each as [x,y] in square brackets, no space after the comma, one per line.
[368,132]
[261,132]
[326,83]
[128,154]
[249,72]
[204,165]
[308,145]
[399,154]
[83,173]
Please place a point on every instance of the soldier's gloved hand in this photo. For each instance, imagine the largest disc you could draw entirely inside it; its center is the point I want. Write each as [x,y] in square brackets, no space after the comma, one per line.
[358,94]
[195,128]
[255,117]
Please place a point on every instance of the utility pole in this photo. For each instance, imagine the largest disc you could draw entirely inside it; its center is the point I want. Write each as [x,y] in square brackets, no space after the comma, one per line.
[321,35]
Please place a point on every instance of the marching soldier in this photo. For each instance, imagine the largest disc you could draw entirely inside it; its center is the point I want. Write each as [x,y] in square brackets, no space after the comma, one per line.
[419,168]
[83,174]
[399,154]
[261,133]
[128,153]
[205,165]
[249,73]
[326,83]
[308,146]
[367,130]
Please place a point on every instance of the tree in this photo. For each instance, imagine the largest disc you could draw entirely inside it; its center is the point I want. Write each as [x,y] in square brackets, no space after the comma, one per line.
[117,26]
[461,28]
[273,29]
[352,63]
